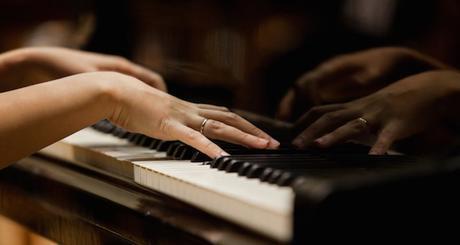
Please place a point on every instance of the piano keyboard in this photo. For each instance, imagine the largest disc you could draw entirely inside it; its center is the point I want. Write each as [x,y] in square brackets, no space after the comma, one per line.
[251,188]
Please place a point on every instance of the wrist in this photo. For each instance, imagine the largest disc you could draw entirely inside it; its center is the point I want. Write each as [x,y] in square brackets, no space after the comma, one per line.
[13,58]
[111,92]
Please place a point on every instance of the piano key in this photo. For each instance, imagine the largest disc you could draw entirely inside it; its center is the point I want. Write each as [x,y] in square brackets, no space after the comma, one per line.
[121,133]
[215,188]
[154,143]
[250,187]
[146,141]
[164,145]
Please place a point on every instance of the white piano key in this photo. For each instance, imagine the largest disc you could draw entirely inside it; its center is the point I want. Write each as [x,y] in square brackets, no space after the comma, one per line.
[260,206]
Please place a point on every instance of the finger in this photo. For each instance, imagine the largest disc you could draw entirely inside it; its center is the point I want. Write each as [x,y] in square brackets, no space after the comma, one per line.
[125,66]
[236,121]
[195,139]
[384,141]
[325,124]
[147,76]
[285,107]
[150,77]
[218,130]
[212,107]
[346,132]
[314,114]
[341,64]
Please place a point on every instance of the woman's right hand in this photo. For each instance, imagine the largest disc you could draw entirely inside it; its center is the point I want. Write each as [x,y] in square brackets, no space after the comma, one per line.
[351,76]
[143,109]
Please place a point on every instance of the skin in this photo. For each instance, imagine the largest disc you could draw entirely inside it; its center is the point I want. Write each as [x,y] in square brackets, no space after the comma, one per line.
[351,76]
[410,106]
[41,114]
[28,66]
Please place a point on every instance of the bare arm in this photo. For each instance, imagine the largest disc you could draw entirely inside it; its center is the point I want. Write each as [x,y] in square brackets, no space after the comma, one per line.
[36,116]
[32,65]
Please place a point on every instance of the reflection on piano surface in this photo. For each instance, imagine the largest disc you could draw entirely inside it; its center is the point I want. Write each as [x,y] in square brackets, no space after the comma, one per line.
[118,187]
[257,189]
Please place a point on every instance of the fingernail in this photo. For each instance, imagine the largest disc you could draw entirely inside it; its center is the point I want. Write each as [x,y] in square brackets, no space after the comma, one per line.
[274,143]
[264,142]
[375,152]
[319,141]
[224,154]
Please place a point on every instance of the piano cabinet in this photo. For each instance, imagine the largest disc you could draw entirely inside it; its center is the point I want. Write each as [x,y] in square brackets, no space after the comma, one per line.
[74,205]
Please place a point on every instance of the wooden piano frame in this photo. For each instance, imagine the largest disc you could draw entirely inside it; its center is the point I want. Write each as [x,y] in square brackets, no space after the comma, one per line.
[83,205]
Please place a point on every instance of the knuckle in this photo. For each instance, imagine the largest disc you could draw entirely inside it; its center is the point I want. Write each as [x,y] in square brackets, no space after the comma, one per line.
[330,116]
[358,126]
[215,126]
[120,59]
[208,145]
[245,137]
[232,117]
[164,126]
[315,111]
[191,135]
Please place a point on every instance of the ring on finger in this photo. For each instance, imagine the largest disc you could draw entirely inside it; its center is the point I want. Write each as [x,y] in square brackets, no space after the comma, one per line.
[363,121]
[203,124]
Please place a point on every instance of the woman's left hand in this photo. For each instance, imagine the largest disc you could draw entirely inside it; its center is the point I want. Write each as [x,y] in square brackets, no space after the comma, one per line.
[55,62]
[400,110]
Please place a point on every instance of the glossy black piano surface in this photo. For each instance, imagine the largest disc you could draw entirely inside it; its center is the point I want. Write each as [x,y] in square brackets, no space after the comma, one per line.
[337,192]
[239,54]
[74,205]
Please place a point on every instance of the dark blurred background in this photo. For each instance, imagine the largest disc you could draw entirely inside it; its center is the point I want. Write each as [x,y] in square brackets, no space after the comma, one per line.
[235,53]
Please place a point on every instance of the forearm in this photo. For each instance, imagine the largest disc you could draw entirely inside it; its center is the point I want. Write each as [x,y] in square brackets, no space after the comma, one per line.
[15,69]
[36,116]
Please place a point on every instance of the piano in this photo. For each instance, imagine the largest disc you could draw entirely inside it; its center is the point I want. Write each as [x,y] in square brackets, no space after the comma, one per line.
[252,197]
[106,185]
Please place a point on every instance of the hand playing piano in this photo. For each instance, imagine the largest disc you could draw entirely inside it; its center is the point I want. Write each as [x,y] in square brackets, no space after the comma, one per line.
[414,105]
[352,76]
[39,64]
[149,111]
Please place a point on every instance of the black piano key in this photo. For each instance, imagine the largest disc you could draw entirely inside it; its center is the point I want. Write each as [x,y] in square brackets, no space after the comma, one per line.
[254,171]
[223,164]
[146,141]
[244,168]
[238,150]
[178,151]
[274,176]
[233,166]
[154,144]
[133,137]
[200,157]
[164,145]
[104,126]
[266,174]
[187,153]
[172,147]
[217,161]
[257,166]
[139,140]
[286,179]
[121,133]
